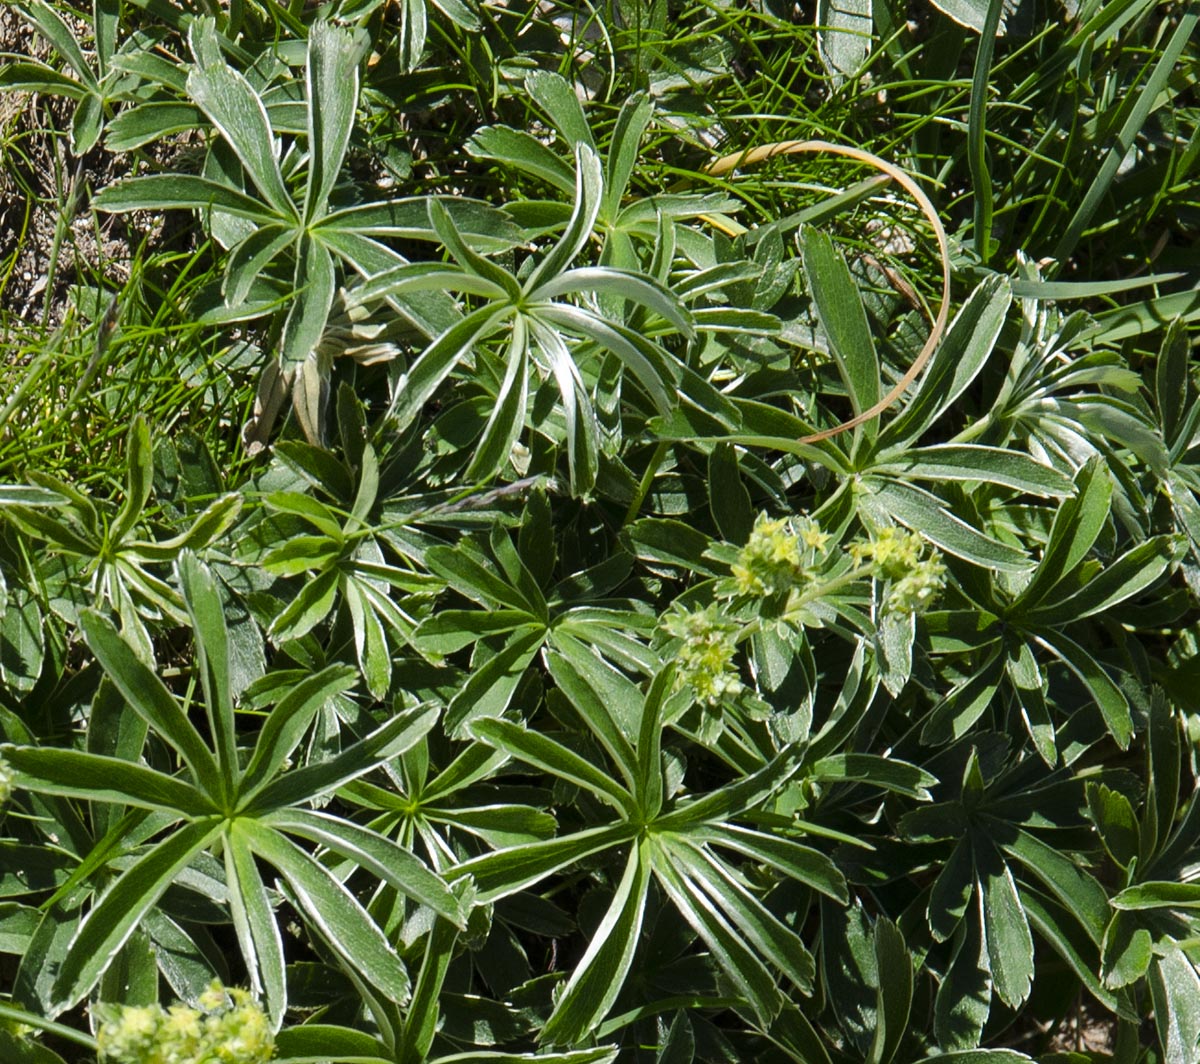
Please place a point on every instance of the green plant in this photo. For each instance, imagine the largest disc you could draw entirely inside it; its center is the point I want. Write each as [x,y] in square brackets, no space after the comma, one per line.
[284,246]
[249,809]
[659,635]
[102,554]
[94,87]
[536,324]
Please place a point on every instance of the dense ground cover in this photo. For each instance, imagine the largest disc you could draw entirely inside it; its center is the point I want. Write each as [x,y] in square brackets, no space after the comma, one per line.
[443,600]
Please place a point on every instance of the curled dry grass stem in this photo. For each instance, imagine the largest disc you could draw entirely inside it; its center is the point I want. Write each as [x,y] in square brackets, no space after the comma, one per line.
[737,160]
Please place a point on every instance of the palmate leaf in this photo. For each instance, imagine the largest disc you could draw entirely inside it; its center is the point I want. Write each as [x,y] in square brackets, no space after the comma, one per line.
[954,715]
[543,752]
[598,715]
[850,975]
[843,36]
[331,86]
[973,463]
[308,609]
[164,192]
[54,28]
[330,907]
[967,345]
[321,777]
[1113,704]
[735,798]
[237,111]
[255,924]
[1126,952]
[1175,992]
[116,915]
[507,419]
[582,427]
[740,963]
[1112,813]
[147,695]
[485,228]
[376,853]
[770,938]
[589,188]
[637,288]
[490,688]
[600,974]
[560,103]
[1025,675]
[1159,895]
[370,642]
[21,1049]
[1126,576]
[317,1043]
[414,24]
[407,277]
[624,146]
[304,554]
[1077,523]
[1158,833]
[499,826]
[1006,928]
[1075,888]
[73,773]
[964,997]
[139,478]
[207,614]
[213,521]
[784,856]
[468,259]
[952,892]
[58,533]
[287,723]
[314,1043]
[314,285]
[31,75]
[982,1056]
[888,773]
[438,360]
[447,631]
[923,512]
[505,872]
[523,151]
[653,368]
[843,318]
[248,260]
[1054,925]
[894,994]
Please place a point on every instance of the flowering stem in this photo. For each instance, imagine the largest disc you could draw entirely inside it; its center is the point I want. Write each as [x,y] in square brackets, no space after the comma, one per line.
[803,599]
[635,505]
[8,1012]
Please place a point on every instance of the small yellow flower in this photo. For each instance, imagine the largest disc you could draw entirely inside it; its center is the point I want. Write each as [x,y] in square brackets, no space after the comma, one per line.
[229,1028]
[706,655]
[917,588]
[899,557]
[214,998]
[771,561]
[814,538]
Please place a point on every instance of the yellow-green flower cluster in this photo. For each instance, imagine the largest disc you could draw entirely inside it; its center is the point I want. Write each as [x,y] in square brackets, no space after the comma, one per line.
[6,782]
[706,655]
[229,1027]
[900,558]
[773,559]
